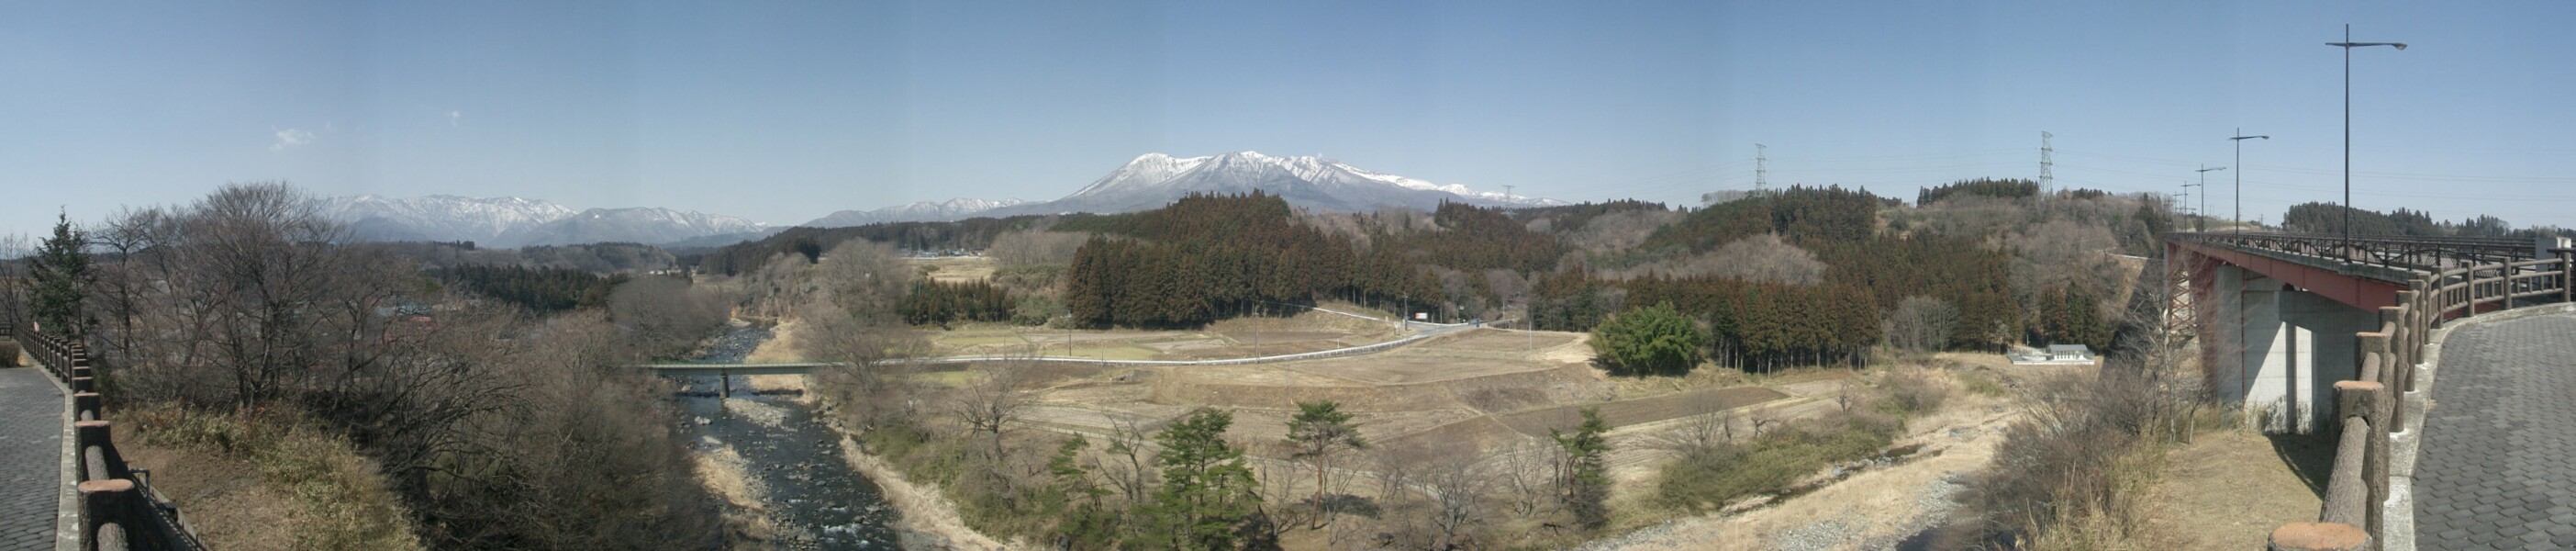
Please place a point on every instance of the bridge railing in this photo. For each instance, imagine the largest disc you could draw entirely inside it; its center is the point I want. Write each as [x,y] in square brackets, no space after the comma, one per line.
[2384,397]
[2425,254]
[118,508]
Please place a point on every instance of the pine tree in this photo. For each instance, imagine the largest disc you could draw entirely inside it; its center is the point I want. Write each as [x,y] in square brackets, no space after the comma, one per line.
[1653,339]
[1207,491]
[1584,481]
[60,271]
[1320,430]
[1086,523]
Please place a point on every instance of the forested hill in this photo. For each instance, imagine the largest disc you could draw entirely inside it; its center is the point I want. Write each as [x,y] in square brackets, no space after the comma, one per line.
[1796,275]
[1208,256]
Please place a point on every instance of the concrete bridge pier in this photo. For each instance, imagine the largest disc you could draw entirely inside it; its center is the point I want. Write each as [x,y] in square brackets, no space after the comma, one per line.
[2278,350]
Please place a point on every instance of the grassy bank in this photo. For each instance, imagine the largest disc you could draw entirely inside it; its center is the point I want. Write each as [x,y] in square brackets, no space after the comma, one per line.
[250,481]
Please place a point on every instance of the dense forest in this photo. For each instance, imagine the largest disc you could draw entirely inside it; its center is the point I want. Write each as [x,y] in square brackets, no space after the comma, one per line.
[940,303]
[541,290]
[972,234]
[1206,257]
[2009,188]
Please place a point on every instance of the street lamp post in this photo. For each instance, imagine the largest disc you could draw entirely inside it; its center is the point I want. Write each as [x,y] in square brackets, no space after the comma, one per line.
[2347,44]
[2204,194]
[2238,220]
[2204,202]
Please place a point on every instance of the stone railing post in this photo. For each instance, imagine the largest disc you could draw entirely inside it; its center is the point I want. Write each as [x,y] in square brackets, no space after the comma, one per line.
[2567,278]
[2352,497]
[96,433]
[106,502]
[85,405]
[2377,407]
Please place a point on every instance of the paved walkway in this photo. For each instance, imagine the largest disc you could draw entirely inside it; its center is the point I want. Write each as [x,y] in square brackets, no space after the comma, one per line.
[31,448]
[2498,466]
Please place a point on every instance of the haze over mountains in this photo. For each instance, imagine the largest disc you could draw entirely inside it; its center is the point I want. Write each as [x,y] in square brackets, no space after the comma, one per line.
[924,211]
[517,222]
[1150,181]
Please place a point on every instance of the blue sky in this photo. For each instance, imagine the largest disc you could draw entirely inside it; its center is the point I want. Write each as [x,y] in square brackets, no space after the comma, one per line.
[783,112]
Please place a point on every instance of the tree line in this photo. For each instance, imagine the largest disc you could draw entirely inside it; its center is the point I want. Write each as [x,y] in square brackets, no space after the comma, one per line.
[497,428]
[541,290]
[939,303]
[2315,217]
[1207,256]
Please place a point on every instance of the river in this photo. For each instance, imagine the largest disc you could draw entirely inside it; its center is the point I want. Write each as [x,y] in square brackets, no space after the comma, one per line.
[812,497]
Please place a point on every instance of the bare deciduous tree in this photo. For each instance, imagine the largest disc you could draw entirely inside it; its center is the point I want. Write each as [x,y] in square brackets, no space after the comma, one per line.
[872,385]
[1922,324]
[665,315]
[1128,465]
[1763,258]
[991,403]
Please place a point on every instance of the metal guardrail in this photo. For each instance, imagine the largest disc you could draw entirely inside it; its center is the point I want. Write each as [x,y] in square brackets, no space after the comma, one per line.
[118,509]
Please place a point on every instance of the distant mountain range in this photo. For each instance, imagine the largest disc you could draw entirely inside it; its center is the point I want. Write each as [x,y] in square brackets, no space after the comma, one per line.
[925,211]
[1156,179]
[1149,182]
[504,222]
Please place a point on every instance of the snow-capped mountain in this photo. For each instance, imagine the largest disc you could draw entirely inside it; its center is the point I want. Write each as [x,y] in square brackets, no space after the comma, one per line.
[513,222]
[925,211]
[640,224]
[1155,179]
[440,217]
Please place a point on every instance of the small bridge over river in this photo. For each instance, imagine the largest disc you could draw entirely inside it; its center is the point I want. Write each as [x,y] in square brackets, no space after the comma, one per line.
[2351,333]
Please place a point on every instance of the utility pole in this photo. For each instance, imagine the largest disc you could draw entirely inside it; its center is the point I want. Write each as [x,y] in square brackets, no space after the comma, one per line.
[1761,167]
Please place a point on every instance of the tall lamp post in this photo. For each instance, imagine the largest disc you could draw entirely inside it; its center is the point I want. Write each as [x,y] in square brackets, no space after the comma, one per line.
[2204,201]
[2204,194]
[2238,220]
[2347,44]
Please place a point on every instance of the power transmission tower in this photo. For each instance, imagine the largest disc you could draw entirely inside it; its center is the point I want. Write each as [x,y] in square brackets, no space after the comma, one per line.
[1507,193]
[2046,179]
[1761,167]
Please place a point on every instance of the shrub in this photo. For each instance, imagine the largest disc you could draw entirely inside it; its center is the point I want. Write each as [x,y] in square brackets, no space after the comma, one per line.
[2080,463]
[1652,339]
[1913,391]
[1981,385]
[1707,478]
[336,499]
